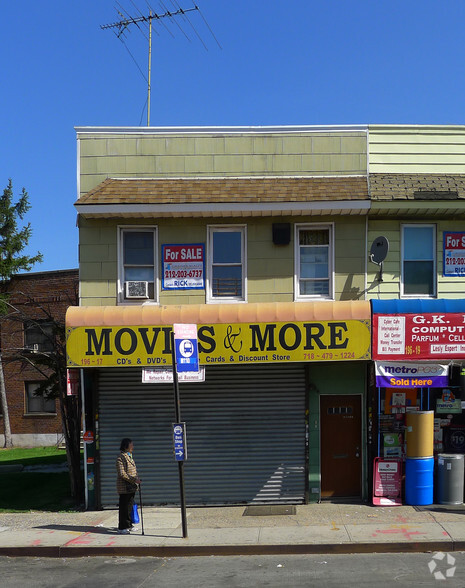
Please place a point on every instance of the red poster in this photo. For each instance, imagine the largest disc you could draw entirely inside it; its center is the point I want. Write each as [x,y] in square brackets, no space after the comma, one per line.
[419,336]
[387,482]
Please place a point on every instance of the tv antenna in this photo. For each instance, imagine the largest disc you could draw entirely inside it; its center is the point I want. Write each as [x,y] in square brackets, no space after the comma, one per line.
[122,26]
[378,253]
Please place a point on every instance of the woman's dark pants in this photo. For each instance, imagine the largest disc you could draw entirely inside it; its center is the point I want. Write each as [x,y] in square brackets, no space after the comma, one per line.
[125,508]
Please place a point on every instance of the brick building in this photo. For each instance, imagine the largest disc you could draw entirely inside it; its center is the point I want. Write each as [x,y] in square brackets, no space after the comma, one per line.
[34,420]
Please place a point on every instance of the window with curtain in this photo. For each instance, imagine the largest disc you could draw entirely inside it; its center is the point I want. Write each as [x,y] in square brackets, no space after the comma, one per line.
[314,262]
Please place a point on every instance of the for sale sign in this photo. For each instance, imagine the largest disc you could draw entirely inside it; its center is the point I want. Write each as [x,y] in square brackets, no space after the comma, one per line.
[454,254]
[183,267]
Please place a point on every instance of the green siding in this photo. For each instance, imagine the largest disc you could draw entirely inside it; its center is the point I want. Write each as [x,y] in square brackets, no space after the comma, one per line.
[146,155]
[416,149]
[447,287]
[270,268]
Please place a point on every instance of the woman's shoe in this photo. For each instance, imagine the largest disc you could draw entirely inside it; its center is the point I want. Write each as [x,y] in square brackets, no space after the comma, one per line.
[123,531]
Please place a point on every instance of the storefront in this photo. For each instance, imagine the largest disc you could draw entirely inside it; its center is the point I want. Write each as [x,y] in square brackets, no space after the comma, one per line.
[263,424]
[419,353]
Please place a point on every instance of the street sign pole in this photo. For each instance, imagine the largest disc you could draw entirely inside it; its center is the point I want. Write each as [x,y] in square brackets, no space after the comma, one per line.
[177,408]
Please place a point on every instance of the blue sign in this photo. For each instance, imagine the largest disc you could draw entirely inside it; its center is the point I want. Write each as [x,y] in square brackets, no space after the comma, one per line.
[187,355]
[179,439]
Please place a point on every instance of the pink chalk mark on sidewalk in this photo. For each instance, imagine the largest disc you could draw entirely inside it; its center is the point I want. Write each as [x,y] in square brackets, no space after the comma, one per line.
[84,539]
[404,531]
[112,542]
[36,542]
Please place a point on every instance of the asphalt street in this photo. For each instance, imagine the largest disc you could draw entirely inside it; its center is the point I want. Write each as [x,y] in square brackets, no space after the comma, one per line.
[415,569]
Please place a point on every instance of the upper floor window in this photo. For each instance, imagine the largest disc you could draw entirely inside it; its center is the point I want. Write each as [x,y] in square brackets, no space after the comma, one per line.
[38,404]
[39,335]
[314,261]
[226,263]
[418,260]
[138,266]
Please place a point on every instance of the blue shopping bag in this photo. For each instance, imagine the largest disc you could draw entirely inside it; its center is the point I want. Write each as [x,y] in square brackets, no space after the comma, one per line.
[135,514]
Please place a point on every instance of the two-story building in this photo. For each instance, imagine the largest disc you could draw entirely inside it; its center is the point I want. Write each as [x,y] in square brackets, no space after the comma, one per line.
[257,236]
[261,237]
[417,191]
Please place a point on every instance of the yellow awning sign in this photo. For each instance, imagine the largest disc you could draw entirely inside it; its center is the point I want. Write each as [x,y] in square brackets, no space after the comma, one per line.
[237,343]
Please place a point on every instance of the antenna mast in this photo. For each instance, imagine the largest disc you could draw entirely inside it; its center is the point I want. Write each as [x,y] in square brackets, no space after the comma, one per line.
[124,23]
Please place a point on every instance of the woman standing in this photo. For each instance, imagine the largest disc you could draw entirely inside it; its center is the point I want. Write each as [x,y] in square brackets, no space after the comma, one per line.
[126,485]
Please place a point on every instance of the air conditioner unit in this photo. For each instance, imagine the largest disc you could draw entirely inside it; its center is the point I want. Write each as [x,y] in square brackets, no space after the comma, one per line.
[137,289]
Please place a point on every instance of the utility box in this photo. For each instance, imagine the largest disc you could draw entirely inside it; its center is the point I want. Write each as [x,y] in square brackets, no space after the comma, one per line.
[450,478]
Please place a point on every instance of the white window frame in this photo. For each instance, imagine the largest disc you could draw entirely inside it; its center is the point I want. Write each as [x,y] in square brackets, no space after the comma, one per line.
[121,285]
[211,230]
[313,226]
[435,255]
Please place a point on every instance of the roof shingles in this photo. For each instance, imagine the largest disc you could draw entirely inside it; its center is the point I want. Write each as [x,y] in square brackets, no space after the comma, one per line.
[223,190]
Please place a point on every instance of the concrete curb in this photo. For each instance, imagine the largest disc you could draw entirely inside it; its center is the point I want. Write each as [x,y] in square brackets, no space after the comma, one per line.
[226,550]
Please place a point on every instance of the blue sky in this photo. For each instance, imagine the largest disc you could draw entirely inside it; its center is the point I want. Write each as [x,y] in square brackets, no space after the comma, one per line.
[293,62]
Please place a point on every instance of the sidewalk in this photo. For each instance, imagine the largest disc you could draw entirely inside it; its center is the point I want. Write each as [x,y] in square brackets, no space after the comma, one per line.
[316,528]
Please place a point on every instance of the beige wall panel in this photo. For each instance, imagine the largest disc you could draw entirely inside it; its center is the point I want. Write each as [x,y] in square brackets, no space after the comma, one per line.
[115,164]
[267,144]
[89,235]
[296,145]
[90,270]
[110,270]
[88,301]
[270,298]
[121,146]
[260,249]
[241,144]
[88,182]
[229,164]
[326,144]
[153,146]
[95,146]
[178,231]
[89,165]
[411,168]
[186,297]
[416,149]
[349,265]
[285,164]
[421,135]
[427,149]
[178,146]
[140,155]
[93,253]
[196,164]
[269,268]
[355,144]
[209,146]
[284,285]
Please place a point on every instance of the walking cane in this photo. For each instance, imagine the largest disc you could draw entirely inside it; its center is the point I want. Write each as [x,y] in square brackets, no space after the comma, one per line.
[141,516]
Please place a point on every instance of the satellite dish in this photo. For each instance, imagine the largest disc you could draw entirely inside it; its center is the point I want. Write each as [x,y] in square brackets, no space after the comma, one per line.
[378,253]
[379,250]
